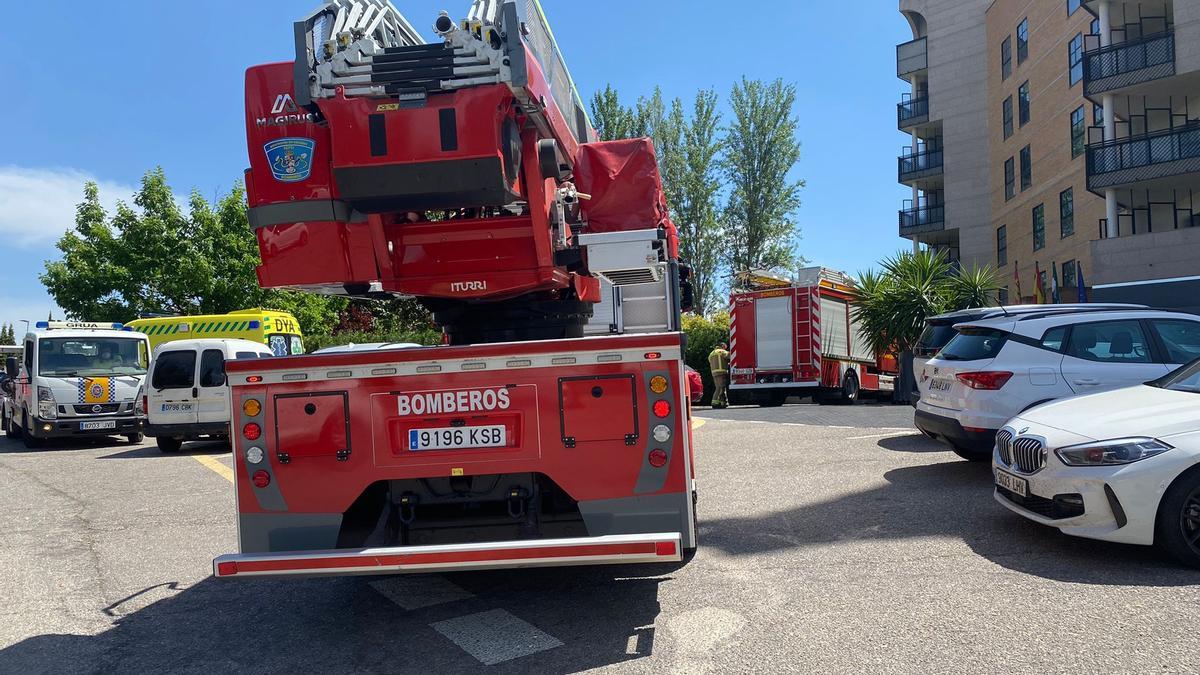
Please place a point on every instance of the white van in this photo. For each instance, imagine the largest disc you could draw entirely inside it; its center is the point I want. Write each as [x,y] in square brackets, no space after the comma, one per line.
[76,378]
[186,396]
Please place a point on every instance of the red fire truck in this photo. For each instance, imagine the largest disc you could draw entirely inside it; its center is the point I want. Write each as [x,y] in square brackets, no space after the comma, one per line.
[466,174]
[799,338]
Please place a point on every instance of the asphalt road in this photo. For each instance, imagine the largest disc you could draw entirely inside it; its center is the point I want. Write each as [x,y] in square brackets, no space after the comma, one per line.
[847,548]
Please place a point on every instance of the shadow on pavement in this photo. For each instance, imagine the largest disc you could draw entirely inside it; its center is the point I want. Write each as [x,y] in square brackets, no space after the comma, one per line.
[952,498]
[15,446]
[193,448]
[343,624]
[914,442]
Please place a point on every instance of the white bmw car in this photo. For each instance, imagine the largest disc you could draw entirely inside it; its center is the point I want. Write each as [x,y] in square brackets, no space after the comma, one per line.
[1120,466]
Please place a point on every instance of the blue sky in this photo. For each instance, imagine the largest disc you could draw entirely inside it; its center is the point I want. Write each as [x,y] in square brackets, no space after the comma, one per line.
[114,89]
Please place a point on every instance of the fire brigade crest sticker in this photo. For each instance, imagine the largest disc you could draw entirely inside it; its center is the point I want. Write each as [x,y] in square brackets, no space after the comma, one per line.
[290,158]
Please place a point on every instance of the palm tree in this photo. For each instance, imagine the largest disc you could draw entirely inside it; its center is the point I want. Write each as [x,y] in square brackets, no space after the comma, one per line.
[891,305]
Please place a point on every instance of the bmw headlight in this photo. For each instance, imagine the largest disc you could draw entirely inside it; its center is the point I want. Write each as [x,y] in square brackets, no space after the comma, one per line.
[1110,453]
[47,408]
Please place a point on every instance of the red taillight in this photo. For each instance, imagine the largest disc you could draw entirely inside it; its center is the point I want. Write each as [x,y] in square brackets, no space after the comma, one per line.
[662,408]
[145,403]
[254,379]
[261,479]
[226,569]
[985,380]
[657,458]
[651,356]
[660,548]
[252,431]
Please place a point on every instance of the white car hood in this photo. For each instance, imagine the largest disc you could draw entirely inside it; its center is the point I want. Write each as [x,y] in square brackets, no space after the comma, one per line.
[77,390]
[1133,411]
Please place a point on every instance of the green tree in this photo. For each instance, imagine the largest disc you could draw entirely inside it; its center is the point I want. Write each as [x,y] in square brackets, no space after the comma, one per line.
[613,120]
[157,259]
[760,151]
[7,335]
[891,305]
[703,334]
[692,182]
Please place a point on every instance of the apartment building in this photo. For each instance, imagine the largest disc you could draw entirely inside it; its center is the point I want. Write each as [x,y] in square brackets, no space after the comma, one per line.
[945,160]
[1090,155]
[1043,217]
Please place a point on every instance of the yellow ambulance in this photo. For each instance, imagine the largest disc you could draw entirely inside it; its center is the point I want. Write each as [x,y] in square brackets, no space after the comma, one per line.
[278,330]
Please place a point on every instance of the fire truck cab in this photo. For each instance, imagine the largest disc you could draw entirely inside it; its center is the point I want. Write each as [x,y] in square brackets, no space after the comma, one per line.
[799,338]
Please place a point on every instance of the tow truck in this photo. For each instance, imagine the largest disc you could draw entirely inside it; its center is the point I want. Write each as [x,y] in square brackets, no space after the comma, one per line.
[464,173]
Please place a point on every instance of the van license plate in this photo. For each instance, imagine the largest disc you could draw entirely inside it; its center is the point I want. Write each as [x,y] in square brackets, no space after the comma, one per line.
[1017,486]
[940,385]
[93,426]
[176,407]
[453,438]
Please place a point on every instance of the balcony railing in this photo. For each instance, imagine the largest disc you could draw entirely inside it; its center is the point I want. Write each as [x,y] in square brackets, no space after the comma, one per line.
[1128,63]
[913,111]
[911,57]
[1158,154]
[917,165]
[919,219]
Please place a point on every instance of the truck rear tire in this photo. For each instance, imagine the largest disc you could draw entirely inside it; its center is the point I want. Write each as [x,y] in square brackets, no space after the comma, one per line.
[168,444]
[135,438]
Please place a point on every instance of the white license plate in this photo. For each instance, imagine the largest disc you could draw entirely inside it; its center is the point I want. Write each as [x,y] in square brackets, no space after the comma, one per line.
[176,407]
[93,426]
[1018,486]
[453,438]
[940,385]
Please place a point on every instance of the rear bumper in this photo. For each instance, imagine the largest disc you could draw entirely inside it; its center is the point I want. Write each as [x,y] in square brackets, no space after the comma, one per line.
[189,431]
[605,550]
[950,430]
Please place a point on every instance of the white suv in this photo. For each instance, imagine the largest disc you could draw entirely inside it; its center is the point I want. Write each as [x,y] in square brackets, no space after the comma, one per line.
[997,368]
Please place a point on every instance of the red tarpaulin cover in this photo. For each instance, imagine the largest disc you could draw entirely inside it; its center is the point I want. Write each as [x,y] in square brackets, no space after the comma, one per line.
[627,194]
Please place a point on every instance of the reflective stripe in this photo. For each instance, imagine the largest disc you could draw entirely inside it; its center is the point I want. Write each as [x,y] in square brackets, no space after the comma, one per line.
[318,210]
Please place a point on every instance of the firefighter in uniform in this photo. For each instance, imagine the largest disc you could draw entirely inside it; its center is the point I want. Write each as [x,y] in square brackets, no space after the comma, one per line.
[718,363]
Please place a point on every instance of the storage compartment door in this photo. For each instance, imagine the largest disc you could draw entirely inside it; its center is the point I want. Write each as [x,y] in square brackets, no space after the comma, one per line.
[773,326]
[835,339]
[312,425]
[601,408]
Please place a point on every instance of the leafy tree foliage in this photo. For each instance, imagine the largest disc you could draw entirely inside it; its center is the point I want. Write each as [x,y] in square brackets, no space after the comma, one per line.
[891,305]
[760,151]
[7,335]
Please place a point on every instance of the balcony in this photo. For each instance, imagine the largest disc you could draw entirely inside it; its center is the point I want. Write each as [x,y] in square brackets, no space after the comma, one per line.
[911,57]
[920,219]
[1152,156]
[919,165]
[1129,63]
[912,112]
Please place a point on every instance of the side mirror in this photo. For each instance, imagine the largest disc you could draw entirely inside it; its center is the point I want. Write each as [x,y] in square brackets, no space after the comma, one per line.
[11,368]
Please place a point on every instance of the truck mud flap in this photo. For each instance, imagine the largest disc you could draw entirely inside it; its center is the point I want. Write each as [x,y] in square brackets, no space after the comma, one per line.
[605,550]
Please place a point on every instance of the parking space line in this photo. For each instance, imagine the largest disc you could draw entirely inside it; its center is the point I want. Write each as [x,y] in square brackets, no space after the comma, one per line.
[905,432]
[415,592]
[495,636]
[698,422]
[215,465]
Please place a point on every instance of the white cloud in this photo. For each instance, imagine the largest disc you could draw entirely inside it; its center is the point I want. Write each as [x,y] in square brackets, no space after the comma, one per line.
[38,205]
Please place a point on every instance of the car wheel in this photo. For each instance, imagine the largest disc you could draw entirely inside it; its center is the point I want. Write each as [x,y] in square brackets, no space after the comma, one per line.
[135,438]
[32,442]
[850,389]
[972,455]
[168,444]
[1178,523]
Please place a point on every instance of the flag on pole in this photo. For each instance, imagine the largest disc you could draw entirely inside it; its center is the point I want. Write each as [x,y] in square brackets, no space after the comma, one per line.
[1079,282]
[1039,293]
[1017,280]
[1054,282]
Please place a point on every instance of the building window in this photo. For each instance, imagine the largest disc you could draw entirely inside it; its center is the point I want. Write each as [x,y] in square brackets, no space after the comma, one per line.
[1066,212]
[1095,27]
[1010,179]
[1026,168]
[1002,295]
[1023,103]
[1022,41]
[1002,246]
[1075,58]
[1097,114]
[1078,131]
[1072,6]
[1069,280]
[1039,227]
[1006,58]
[1008,118]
